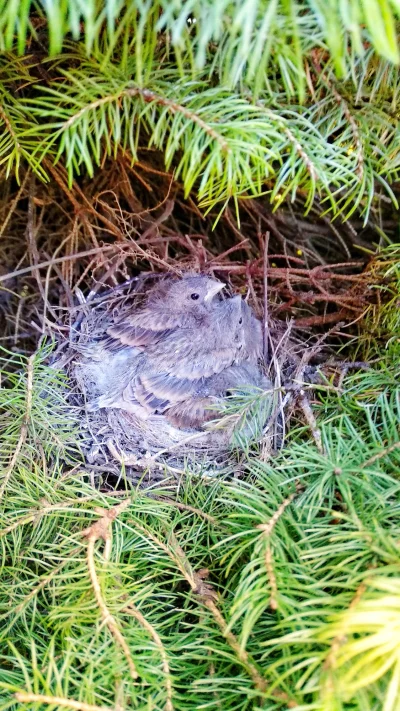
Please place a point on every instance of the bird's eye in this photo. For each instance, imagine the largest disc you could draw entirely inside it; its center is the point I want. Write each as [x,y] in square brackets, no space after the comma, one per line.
[194,296]
[240,320]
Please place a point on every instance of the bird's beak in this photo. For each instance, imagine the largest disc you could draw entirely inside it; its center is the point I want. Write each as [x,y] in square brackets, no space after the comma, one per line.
[212,290]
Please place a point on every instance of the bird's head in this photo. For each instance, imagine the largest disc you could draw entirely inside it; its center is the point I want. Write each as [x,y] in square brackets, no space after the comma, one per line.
[238,327]
[230,322]
[191,294]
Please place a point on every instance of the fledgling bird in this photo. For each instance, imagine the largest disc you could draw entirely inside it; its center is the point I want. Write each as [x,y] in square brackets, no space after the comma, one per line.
[177,356]
[172,369]
[170,305]
[253,338]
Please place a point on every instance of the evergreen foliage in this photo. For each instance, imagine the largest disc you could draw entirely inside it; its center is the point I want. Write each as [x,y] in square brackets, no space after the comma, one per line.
[264,96]
[280,590]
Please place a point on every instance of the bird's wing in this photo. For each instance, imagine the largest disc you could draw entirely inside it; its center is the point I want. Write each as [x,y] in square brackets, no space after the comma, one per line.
[126,334]
[160,391]
[180,384]
[190,354]
[204,365]
[252,334]
[176,368]
[145,327]
[192,413]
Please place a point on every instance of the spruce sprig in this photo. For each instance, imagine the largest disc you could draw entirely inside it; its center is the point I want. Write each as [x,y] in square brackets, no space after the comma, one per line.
[275,590]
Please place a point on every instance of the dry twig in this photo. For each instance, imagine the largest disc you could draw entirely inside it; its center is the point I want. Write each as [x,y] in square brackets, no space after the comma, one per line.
[131,609]
[267,529]
[101,530]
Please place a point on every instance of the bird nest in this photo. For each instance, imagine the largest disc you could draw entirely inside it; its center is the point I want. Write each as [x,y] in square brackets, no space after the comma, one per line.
[114,440]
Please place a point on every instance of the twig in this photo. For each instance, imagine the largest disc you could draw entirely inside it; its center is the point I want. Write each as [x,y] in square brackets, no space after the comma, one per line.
[381,454]
[298,378]
[31,232]
[207,595]
[66,258]
[205,592]
[148,462]
[273,598]
[312,352]
[48,508]
[258,680]
[25,697]
[24,426]
[344,106]
[35,591]
[101,530]
[151,97]
[325,319]
[184,507]
[311,420]
[267,529]
[344,369]
[131,609]
[14,203]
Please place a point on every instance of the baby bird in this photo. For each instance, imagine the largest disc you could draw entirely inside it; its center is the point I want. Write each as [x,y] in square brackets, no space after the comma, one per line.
[177,356]
[171,370]
[170,305]
[108,363]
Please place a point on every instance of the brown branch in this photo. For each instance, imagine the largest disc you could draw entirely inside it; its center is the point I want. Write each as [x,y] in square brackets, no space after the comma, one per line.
[301,152]
[48,508]
[266,320]
[131,609]
[183,566]
[311,421]
[324,320]
[381,454]
[10,129]
[68,257]
[259,682]
[340,638]
[184,507]
[214,261]
[101,530]
[293,140]
[207,595]
[350,118]
[267,529]
[14,203]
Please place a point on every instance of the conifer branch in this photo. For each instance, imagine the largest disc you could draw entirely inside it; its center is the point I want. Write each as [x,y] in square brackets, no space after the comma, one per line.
[100,530]
[131,609]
